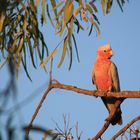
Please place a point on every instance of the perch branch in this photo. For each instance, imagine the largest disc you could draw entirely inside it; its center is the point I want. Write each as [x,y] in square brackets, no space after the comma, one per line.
[125,128]
[57,84]
[123,94]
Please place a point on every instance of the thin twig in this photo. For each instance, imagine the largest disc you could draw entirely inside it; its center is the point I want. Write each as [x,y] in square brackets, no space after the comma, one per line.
[58,129]
[51,70]
[125,128]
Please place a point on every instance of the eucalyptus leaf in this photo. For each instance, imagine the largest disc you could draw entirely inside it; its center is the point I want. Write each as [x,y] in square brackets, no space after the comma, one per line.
[68,11]
[49,57]
[96,26]
[64,52]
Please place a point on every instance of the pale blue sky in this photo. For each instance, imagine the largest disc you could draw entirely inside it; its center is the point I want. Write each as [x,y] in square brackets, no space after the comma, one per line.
[119,29]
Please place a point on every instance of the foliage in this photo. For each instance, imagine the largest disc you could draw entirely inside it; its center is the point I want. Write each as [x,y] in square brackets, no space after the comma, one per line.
[20,35]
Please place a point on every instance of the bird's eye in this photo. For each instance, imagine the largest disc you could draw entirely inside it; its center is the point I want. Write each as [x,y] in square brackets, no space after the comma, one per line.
[104,50]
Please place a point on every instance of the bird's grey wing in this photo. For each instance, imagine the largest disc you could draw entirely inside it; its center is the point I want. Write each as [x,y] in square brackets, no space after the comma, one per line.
[115,78]
[115,88]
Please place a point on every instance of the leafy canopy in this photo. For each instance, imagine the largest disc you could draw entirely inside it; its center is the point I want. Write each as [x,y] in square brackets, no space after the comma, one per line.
[20,35]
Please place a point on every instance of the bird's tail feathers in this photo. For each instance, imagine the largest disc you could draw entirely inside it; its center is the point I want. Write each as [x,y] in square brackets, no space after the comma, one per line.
[117,118]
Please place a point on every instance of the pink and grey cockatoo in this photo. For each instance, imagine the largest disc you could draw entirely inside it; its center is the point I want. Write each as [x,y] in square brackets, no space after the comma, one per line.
[105,77]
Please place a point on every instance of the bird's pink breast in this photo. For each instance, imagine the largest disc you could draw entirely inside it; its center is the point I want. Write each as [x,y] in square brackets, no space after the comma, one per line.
[102,77]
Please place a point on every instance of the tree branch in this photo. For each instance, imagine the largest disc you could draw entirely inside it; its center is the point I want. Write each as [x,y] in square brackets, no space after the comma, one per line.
[108,121]
[57,84]
[103,129]
[125,128]
[123,94]
[36,111]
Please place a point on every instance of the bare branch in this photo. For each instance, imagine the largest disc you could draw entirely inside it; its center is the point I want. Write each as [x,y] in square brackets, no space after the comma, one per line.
[108,121]
[99,134]
[123,94]
[37,110]
[125,128]
[57,84]
[77,133]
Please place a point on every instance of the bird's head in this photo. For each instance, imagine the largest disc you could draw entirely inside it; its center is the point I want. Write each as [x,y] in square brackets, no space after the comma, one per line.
[104,52]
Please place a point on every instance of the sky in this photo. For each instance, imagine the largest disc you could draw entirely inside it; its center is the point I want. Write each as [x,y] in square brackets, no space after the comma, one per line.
[119,29]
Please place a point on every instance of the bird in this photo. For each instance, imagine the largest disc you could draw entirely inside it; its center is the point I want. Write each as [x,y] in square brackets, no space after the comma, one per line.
[105,77]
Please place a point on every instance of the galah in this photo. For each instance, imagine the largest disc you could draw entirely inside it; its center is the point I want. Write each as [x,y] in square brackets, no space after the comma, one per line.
[105,77]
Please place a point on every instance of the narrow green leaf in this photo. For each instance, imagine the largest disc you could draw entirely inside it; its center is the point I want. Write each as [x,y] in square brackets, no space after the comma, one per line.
[120,5]
[68,11]
[91,28]
[59,13]
[76,48]
[20,46]
[24,55]
[64,52]
[25,68]
[89,8]
[25,24]
[53,3]
[109,5]
[57,6]
[122,2]
[78,10]
[48,13]
[43,10]
[96,26]
[103,3]
[49,57]
[62,30]
[2,17]
[31,51]
[70,30]
[44,46]
[59,24]
[43,50]
[33,7]
[39,53]
[93,6]
[96,19]
[76,22]
[70,50]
